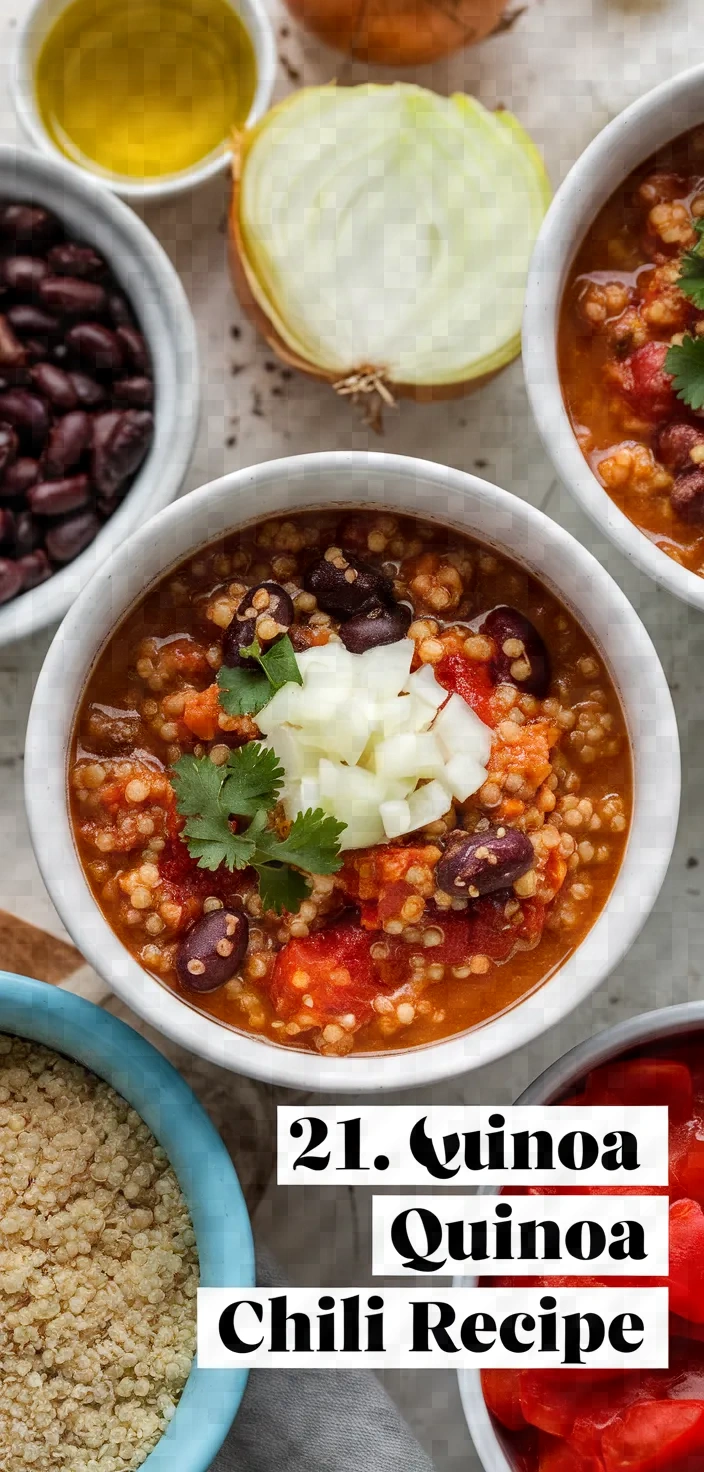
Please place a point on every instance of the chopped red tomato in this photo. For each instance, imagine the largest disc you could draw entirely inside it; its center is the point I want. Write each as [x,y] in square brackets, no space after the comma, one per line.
[502,1394]
[333,968]
[470,678]
[645,384]
[686,1278]
[687,1158]
[643,1081]
[201,712]
[654,1434]
[559,1456]
[378,878]
[552,1402]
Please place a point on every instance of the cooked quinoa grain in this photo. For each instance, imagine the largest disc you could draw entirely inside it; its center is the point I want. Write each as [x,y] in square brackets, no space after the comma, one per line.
[98,1272]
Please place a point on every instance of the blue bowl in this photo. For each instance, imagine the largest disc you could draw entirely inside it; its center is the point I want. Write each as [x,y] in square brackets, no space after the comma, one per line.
[68,1024]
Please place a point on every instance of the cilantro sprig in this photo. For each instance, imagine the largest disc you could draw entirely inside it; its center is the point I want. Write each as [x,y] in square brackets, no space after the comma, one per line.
[685,361]
[245,692]
[210,797]
[691,277]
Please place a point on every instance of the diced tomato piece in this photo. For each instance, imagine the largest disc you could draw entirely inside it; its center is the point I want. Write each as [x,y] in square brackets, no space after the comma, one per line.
[643,1081]
[201,711]
[558,1456]
[646,386]
[686,1277]
[687,1157]
[502,1394]
[654,1434]
[552,1402]
[684,1329]
[334,968]
[470,678]
[530,754]
[378,878]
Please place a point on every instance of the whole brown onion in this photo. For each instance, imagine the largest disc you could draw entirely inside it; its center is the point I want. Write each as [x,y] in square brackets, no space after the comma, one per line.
[398,32]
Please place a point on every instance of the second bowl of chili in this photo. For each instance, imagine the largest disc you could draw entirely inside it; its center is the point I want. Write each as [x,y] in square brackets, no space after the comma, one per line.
[306,884]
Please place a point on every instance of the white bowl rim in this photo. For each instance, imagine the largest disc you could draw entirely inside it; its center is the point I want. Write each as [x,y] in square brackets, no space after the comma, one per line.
[646,1027]
[594,177]
[177,410]
[655,752]
[259,26]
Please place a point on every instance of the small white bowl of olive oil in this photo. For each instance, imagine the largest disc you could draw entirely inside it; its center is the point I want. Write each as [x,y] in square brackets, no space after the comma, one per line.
[143,94]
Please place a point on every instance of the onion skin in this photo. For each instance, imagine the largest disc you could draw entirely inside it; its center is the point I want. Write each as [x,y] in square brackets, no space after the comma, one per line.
[398,32]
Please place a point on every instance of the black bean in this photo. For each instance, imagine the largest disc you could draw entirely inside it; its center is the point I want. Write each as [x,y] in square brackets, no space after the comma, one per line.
[528,667]
[7,532]
[65,541]
[9,445]
[135,348]
[27,414]
[23,274]
[10,579]
[265,613]
[68,439]
[56,386]
[27,534]
[343,584]
[89,393]
[119,309]
[18,478]
[118,453]
[72,297]
[96,348]
[34,569]
[74,259]
[213,950]
[31,321]
[13,356]
[376,627]
[56,497]
[687,496]
[137,392]
[28,225]
[37,349]
[475,864]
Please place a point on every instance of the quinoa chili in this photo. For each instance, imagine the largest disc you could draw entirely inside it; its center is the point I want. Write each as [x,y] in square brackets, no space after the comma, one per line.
[413,939]
[622,312]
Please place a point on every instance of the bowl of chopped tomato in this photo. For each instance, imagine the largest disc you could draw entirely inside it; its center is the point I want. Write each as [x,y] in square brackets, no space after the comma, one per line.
[349,757]
[618,1420]
[613,335]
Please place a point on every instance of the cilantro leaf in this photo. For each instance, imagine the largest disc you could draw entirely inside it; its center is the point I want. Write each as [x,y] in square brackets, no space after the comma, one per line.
[312,843]
[212,842]
[685,362]
[253,780]
[281,888]
[197,785]
[243,692]
[691,278]
[280,664]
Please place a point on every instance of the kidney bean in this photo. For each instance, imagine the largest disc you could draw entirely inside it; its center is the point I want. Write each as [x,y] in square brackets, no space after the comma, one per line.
[119,452]
[674,443]
[34,568]
[65,541]
[213,950]
[136,350]
[137,392]
[265,613]
[27,534]
[28,225]
[73,259]
[9,445]
[37,349]
[119,309]
[344,585]
[31,321]
[687,496]
[13,356]
[10,579]
[23,274]
[73,297]
[27,414]
[376,627]
[527,667]
[89,393]
[7,531]
[18,478]
[69,437]
[475,864]
[96,348]
[56,386]
[56,497]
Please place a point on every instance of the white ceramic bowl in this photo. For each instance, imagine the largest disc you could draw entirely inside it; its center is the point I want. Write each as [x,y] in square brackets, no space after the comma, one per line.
[649,1027]
[32,29]
[161,306]
[406,485]
[670,109]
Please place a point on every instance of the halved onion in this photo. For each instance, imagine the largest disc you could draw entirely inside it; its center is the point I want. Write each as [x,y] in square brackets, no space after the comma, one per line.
[380,236]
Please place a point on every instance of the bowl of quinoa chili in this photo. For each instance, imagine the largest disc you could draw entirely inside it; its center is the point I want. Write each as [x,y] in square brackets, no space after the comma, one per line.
[381,761]
[119,1200]
[614,333]
[537,1420]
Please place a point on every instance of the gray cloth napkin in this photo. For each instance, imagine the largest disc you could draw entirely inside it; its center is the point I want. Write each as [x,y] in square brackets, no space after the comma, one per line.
[317,1421]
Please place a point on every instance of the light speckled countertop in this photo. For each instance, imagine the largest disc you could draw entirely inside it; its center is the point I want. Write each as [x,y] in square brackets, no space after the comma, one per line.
[566,67]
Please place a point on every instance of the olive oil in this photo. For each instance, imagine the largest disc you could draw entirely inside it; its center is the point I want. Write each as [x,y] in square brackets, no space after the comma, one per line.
[145,88]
